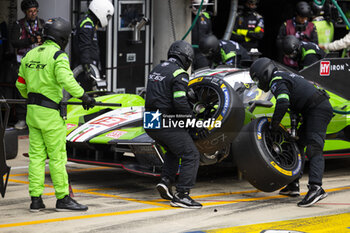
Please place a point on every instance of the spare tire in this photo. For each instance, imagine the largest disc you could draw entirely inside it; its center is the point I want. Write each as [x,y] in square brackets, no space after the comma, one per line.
[216,100]
[267,160]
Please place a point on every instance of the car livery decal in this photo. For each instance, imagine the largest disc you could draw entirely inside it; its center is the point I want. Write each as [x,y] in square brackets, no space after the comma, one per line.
[116,134]
[106,122]
[69,126]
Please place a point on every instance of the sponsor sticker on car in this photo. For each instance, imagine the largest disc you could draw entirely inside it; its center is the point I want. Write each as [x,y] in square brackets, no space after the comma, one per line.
[108,121]
[325,68]
[116,134]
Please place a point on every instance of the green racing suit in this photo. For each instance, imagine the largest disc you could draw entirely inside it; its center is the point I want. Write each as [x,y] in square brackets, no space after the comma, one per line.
[45,70]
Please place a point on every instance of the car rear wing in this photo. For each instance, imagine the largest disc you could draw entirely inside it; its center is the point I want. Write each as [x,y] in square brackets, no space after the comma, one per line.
[331,74]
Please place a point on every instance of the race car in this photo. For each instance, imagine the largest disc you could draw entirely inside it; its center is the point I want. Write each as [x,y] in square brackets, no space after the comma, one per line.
[116,137]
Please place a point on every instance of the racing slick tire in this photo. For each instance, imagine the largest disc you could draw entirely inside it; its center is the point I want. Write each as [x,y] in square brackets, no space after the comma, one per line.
[216,100]
[268,160]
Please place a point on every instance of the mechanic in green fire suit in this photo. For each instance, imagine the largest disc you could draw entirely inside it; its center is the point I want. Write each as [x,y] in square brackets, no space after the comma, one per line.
[44,71]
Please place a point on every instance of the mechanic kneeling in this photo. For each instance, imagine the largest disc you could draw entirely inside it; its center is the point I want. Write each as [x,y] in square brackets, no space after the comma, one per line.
[44,71]
[166,92]
[302,97]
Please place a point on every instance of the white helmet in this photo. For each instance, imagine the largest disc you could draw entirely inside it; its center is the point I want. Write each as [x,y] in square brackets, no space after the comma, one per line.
[197,3]
[103,9]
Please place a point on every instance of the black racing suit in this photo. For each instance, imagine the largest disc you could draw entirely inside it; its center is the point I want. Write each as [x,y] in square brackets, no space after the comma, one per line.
[86,47]
[300,96]
[231,53]
[304,32]
[248,29]
[309,53]
[166,92]
[201,29]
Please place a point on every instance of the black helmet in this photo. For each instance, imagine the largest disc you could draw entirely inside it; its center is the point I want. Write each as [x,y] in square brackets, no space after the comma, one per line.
[27,4]
[261,71]
[58,30]
[291,46]
[209,46]
[183,51]
[303,9]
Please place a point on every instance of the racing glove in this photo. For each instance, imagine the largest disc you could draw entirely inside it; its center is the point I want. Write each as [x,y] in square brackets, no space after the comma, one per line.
[242,32]
[88,102]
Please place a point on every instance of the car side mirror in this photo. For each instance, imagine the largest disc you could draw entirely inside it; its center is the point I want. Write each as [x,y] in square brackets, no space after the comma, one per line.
[262,103]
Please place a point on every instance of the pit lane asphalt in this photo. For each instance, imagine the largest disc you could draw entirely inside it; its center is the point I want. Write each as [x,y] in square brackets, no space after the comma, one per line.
[122,202]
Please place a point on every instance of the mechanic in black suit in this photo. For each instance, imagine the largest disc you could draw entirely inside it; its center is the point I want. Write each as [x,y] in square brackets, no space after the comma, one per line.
[167,93]
[301,97]
[201,29]
[304,53]
[222,52]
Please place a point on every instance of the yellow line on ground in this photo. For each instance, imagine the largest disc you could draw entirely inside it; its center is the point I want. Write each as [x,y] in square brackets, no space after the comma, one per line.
[91,191]
[27,182]
[257,198]
[219,194]
[226,194]
[156,202]
[131,199]
[321,224]
[69,170]
[80,217]
[167,207]
[244,200]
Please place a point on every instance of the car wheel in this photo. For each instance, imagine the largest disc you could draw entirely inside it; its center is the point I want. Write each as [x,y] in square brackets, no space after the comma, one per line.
[213,98]
[267,160]
[76,72]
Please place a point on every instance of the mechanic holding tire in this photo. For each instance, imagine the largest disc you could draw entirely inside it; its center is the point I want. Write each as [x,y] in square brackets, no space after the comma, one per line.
[301,97]
[166,92]
[44,71]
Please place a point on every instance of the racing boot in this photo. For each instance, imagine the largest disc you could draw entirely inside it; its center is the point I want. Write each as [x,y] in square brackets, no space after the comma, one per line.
[69,204]
[183,199]
[37,204]
[315,194]
[165,189]
[292,189]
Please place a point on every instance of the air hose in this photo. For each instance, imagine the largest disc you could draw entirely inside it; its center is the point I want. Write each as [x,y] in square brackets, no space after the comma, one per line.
[341,112]
[193,23]
[338,8]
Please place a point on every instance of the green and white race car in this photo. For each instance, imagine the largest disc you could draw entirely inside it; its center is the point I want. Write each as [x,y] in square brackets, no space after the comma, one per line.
[116,137]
